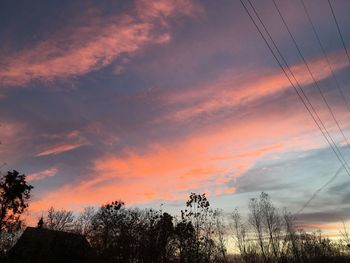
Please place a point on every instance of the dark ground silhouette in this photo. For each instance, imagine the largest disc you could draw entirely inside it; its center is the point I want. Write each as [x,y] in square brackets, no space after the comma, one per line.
[44,245]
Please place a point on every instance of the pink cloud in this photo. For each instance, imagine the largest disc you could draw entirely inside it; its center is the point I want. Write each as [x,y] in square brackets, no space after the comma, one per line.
[42,174]
[75,52]
[68,142]
[231,88]
[206,161]
[165,8]
[61,148]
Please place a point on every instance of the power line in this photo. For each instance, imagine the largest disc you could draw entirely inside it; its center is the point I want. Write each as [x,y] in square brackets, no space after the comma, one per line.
[325,54]
[297,82]
[300,95]
[339,31]
[334,177]
[319,190]
[336,150]
[337,85]
[310,72]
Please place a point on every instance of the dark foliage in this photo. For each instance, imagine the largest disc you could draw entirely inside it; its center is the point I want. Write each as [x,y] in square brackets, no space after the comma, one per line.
[14,196]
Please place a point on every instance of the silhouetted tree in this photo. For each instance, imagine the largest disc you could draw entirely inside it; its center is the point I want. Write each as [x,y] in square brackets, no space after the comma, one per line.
[316,248]
[291,238]
[266,222]
[131,235]
[106,227]
[198,212]
[83,222]
[221,229]
[266,236]
[247,249]
[149,247]
[345,237]
[256,222]
[60,220]
[273,225]
[155,236]
[165,235]
[186,241]
[14,197]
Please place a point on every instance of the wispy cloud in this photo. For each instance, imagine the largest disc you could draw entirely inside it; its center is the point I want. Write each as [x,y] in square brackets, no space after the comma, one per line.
[232,89]
[90,47]
[172,96]
[61,148]
[207,162]
[42,174]
[69,141]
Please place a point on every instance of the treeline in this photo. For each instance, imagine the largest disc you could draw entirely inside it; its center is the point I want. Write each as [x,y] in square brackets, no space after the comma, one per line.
[271,235]
[121,234]
[199,234]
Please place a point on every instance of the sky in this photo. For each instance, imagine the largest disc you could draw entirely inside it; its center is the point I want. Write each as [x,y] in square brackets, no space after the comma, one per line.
[148,101]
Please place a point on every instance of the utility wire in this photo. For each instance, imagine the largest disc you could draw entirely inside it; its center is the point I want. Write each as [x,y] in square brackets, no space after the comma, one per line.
[325,55]
[340,91]
[297,82]
[336,150]
[343,166]
[305,100]
[339,31]
[319,190]
[311,74]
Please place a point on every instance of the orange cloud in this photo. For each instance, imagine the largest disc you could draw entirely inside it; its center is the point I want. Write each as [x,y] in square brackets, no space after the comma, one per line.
[205,160]
[42,174]
[91,47]
[205,163]
[232,89]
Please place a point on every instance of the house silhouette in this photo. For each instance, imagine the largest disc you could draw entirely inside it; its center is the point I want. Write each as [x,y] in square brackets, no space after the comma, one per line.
[39,245]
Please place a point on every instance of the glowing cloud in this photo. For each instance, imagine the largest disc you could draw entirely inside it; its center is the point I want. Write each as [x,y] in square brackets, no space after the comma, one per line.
[233,89]
[205,162]
[61,148]
[42,174]
[93,46]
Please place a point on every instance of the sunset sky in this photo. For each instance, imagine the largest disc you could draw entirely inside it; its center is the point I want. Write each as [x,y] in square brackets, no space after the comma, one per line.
[147,101]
